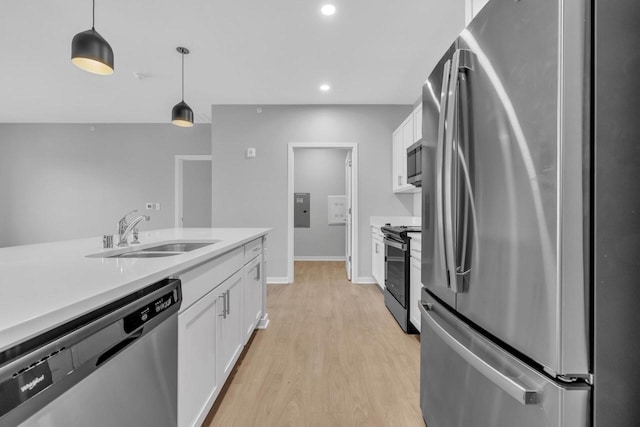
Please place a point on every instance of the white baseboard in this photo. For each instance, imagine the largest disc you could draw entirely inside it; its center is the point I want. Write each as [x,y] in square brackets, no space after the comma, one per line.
[366,280]
[277,280]
[318,258]
[264,322]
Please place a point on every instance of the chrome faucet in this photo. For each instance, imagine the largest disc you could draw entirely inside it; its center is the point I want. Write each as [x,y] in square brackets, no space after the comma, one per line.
[124,229]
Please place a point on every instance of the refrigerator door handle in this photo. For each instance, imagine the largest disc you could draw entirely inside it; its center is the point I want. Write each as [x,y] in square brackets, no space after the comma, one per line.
[508,384]
[464,182]
[439,169]
[454,280]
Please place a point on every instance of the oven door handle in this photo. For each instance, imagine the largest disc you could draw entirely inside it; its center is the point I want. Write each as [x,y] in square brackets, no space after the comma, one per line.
[394,244]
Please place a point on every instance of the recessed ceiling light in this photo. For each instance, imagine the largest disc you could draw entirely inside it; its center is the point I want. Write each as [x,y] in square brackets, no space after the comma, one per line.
[325,87]
[328,9]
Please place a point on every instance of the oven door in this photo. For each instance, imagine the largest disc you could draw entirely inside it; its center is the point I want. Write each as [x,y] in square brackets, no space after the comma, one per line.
[396,270]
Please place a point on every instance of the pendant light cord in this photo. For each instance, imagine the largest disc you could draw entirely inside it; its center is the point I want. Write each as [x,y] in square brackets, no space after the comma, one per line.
[182,77]
[93,21]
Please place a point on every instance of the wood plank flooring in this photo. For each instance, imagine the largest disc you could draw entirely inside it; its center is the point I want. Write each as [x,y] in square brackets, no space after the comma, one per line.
[332,356]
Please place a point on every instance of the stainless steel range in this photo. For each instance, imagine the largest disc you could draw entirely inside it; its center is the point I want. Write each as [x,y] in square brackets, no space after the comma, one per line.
[396,273]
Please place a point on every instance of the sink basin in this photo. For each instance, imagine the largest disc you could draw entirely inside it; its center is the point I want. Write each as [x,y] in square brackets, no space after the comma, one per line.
[179,247]
[166,249]
[143,254]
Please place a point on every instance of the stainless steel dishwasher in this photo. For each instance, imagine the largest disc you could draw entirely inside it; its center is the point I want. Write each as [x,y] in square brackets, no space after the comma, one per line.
[114,366]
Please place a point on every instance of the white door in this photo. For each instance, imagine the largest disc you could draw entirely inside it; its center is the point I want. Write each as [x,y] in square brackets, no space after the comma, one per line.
[196,193]
[348,224]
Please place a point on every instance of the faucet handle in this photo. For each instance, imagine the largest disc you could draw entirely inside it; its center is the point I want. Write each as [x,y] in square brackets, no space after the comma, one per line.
[124,218]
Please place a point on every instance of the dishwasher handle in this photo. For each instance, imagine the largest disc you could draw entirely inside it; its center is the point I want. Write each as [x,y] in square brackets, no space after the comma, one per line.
[118,348]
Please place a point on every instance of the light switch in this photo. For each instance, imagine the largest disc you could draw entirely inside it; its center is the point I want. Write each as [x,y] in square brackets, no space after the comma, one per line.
[251,153]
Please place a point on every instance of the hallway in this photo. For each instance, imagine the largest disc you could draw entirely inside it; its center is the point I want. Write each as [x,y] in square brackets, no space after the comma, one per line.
[332,356]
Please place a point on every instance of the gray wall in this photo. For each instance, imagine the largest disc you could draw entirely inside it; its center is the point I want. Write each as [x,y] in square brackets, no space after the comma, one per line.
[253,192]
[196,193]
[320,172]
[64,181]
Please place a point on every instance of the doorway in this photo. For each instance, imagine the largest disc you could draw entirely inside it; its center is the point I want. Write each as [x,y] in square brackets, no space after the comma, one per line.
[192,191]
[351,212]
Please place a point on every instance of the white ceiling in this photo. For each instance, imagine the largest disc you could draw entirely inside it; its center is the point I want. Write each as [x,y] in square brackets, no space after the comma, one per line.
[242,52]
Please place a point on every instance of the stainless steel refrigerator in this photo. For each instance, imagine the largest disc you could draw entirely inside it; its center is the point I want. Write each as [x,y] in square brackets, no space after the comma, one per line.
[529,119]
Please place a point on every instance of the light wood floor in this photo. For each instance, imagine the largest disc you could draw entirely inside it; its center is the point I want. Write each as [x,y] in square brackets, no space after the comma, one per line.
[332,356]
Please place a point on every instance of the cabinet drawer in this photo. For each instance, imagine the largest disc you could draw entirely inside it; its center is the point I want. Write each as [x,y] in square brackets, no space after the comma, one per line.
[252,249]
[203,278]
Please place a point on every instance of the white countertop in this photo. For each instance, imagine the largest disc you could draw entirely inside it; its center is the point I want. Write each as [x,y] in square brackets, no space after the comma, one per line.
[379,221]
[45,285]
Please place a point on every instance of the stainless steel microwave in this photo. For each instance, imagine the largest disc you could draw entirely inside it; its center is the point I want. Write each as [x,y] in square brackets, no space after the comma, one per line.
[414,164]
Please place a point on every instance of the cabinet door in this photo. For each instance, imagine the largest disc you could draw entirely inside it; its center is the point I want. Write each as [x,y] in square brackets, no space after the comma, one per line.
[381,261]
[377,259]
[374,258]
[417,123]
[229,339]
[415,290]
[407,140]
[252,290]
[197,372]
[397,176]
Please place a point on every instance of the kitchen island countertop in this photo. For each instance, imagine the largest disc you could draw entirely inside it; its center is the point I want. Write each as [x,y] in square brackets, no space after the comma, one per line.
[45,285]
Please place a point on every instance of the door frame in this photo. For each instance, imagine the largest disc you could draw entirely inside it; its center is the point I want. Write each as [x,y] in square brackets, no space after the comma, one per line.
[179,181]
[353,146]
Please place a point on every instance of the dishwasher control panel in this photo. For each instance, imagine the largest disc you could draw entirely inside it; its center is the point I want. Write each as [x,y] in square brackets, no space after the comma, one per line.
[144,314]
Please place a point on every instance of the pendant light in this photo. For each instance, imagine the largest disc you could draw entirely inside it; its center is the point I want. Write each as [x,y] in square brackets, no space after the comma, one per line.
[182,114]
[91,52]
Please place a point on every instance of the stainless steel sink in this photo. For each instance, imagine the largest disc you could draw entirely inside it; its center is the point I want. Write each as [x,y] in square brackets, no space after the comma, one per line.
[144,254]
[170,248]
[178,247]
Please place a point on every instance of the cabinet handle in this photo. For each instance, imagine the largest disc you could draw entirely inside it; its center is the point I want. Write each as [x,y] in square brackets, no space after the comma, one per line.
[257,272]
[399,179]
[256,249]
[377,248]
[224,305]
[228,301]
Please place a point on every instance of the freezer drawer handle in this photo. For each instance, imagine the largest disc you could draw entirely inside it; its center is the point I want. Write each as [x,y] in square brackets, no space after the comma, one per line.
[507,384]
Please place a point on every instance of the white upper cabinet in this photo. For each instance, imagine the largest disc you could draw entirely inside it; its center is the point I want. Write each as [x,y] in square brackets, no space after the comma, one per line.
[403,137]
[417,123]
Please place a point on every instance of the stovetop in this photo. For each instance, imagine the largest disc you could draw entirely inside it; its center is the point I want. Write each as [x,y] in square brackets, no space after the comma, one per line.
[399,231]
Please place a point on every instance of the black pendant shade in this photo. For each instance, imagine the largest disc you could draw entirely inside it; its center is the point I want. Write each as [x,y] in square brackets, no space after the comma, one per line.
[91,52]
[182,114]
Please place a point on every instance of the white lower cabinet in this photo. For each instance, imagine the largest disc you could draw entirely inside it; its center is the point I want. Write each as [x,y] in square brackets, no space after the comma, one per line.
[229,340]
[377,257]
[252,296]
[197,368]
[415,292]
[219,297]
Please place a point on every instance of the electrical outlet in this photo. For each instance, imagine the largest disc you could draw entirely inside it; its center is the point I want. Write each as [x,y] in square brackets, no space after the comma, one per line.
[251,153]
[149,206]
[157,206]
